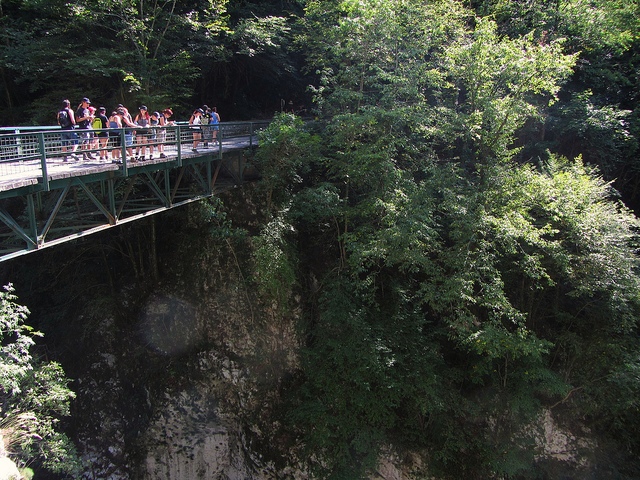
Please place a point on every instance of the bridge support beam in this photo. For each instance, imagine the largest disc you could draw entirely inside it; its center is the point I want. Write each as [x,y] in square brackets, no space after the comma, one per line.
[34,218]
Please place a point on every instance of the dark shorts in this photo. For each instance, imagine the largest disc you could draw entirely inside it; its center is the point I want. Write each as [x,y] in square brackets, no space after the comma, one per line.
[114,139]
[69,138]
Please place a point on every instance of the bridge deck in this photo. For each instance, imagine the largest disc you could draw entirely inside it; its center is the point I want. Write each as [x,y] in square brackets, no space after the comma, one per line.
[25,155]
[45,200]
[29,172]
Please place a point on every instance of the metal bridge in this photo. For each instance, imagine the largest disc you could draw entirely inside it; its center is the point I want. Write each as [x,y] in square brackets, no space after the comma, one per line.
[46,199]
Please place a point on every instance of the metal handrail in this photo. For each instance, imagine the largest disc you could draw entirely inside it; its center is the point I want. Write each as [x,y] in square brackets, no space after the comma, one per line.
[32,151]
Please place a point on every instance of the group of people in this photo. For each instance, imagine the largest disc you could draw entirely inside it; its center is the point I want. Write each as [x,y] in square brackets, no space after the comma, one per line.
[204,122]
[87,130]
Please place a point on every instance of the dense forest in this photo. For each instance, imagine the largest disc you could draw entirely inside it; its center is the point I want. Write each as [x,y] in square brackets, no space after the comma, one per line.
[450,219]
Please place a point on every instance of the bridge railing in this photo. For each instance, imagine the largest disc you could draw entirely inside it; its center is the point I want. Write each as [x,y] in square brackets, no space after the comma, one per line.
[30,151]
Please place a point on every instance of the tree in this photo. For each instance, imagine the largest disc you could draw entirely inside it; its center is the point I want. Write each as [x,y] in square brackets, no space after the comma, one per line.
[593,117]
[494,85]
[34,395]
[113,52]
[170,41]
[607,24]
[375,53]
[488,291]
[286,151]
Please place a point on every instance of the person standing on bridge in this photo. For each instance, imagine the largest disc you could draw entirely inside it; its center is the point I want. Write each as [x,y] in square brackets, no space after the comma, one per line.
[84,119]
[142,134]
[115,136]
[67,122]
[195,123]
[166,114]
[164,121]
[103,136]
[153,136]
[128,134]
[215,120]
[204,124]
[125,118]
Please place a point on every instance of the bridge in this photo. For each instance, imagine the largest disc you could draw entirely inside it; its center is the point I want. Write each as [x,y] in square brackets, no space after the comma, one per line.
[46,197]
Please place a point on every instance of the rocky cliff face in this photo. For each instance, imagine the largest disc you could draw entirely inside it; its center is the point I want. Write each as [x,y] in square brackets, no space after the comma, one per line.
[175,392]
[175,417]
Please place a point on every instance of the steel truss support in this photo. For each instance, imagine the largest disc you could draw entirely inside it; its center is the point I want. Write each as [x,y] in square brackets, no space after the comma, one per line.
[79,206]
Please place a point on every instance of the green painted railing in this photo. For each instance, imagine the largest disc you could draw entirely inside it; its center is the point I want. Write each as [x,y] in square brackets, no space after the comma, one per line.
[30,151]
[45,200]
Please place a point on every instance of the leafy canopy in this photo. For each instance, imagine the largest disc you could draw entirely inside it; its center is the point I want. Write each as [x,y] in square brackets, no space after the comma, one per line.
[462,291]
[34,395]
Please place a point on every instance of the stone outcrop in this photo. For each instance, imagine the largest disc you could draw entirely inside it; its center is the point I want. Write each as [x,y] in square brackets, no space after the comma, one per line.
[8,469]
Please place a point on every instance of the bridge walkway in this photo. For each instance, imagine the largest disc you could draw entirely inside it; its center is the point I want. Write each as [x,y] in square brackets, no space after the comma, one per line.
[45,200]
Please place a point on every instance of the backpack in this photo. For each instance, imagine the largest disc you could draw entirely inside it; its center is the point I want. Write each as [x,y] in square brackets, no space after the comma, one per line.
[64,120]
[97,123]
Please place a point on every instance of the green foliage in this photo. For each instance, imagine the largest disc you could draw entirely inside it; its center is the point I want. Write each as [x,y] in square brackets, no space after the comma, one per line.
[528,266]
[593,116]
[257,35]
[172,53]
[369,366]
[114,52]
[496,84]
[442,80]
[274,264]
[601,132]
[491,265]
[286,150]
[607,24]
[211,212]
[582,238]
[34,395]
[376,53]
[318,205]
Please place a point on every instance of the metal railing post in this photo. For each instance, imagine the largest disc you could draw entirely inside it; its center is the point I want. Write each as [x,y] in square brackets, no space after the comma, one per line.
[43,161]
[112,199]
[19,150]
[179,145]
[123,145]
